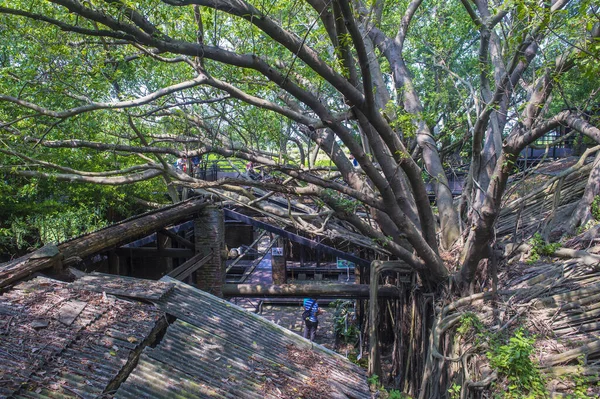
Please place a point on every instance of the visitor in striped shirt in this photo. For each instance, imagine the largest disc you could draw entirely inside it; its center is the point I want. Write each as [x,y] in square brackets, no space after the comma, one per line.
[311,322]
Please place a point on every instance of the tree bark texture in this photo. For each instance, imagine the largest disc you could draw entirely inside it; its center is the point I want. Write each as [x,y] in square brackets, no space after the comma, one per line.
[583,211]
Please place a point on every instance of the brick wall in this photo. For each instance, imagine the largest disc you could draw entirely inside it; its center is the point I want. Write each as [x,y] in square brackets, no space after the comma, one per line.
[209,232]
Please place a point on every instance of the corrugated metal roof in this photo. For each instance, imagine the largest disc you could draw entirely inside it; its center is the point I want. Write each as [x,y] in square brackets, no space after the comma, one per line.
[57,341]
[217,350]
[125,286]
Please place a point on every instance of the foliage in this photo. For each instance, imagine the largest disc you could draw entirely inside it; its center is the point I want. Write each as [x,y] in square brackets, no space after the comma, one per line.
[581,382]
[584,227]
[269,73]
[539,247]
[454,391]
[362,362]
[396,394]
[90,90]
[374,382]
[344,325]
[375,385]
[15,236]
[58,227]
[582,385]
[595,208]
[56,224]
[511,358]
[341,201]
[324,163]
[382,392]
[513,361]
[34,212]
[469,323]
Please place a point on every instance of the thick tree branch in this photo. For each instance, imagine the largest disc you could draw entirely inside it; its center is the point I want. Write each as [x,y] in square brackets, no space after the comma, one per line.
[363,59]
[67,170]
[99,105]
[405,24]
[478,22]
[77,178]
[67,27]
[290,41]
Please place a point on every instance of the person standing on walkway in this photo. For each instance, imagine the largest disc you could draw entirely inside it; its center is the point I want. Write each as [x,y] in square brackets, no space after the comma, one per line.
[311,322]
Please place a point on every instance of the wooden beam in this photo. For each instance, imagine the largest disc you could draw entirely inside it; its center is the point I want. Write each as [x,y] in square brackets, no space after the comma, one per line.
[162,242]
[99,241]
[324,270]
[186,243]
[359,291]
[190,266]
[249,270]
[154,252]
[295,237]
[245,252]
[185,226]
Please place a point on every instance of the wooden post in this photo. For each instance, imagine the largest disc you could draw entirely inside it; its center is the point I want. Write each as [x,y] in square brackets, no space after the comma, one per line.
[318,253]
[361,305]
[374,355]
[278,262]
[114,266]
[164,242]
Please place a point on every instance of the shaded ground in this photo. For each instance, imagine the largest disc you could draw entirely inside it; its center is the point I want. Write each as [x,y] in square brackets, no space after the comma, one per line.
[289,317]
[286,312]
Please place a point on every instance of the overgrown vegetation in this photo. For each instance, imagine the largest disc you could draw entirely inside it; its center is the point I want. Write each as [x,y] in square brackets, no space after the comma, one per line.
[582,384]
[539,248]
[34,212]
[376,386]
[108,93]
[24,233]
[511,357]
[595,208]
[469,324]
[513,361]
[454,391]
[344,321]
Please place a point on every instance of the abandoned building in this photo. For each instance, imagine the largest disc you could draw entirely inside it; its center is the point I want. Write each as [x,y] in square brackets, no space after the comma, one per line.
[136,310]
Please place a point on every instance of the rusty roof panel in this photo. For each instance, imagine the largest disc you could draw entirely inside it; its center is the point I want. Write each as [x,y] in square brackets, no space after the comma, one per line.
[124,286]
[230,353]
[64,342]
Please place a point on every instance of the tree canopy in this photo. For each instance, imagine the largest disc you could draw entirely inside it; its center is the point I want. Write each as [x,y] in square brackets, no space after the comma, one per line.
[111,92]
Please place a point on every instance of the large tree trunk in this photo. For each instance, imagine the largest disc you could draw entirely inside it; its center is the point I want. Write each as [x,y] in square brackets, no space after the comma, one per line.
[449,226]
[481,234]
[583,210]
